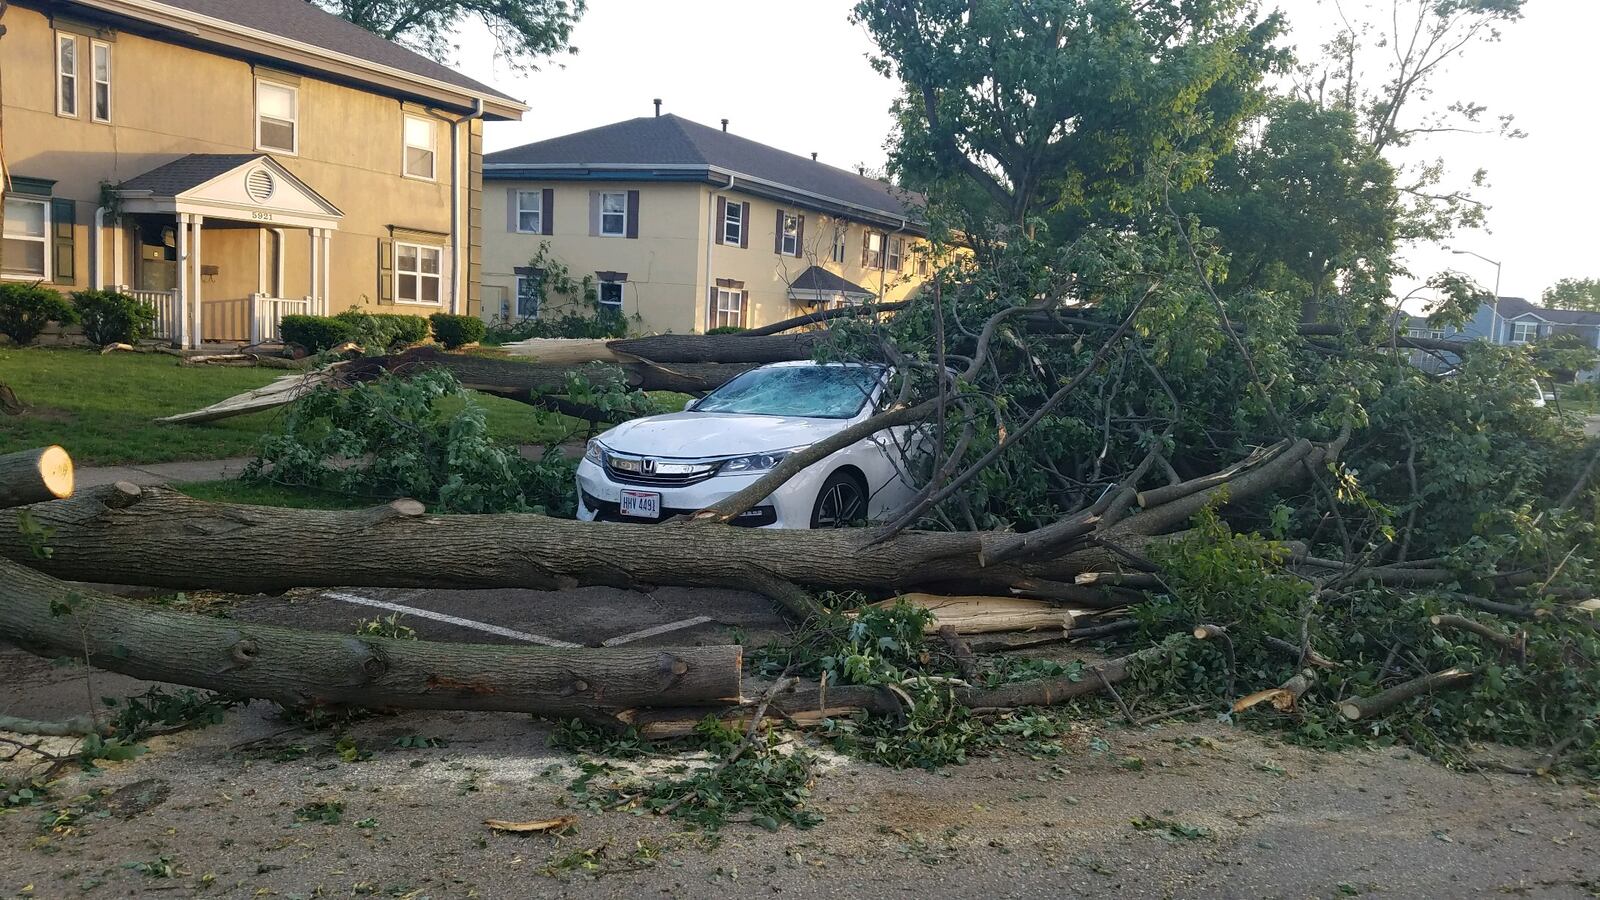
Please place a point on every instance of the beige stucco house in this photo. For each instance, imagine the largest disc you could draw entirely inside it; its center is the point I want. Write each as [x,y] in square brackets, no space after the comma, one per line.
[232,161]
[685,228]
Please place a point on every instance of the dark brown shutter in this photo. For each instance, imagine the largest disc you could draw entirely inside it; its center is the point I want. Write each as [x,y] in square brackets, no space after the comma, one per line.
[64,220]
[633,214]
[744,307]
[777,237]
[866,250]
[385,272]
[513,220]
[800,236]
[547,211]
[744,226]
[711,309]
[722,218]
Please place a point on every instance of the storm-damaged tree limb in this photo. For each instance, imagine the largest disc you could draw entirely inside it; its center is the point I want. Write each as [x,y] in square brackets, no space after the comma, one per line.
[34,476]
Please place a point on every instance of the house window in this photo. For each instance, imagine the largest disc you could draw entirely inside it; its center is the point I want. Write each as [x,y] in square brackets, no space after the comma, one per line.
[277,117]
[733,224]
[1523,332]
[839,247]
[614,215]
[419,149]
[923,264]
[611,297]
[67,75]
[530,290]
[26,249]
[100,59]
[790,243]
[897,253]
[416,273]
[730,308]
[872,250]
[530,212]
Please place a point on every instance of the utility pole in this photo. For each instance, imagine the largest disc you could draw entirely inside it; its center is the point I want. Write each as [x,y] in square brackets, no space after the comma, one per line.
[1494,310]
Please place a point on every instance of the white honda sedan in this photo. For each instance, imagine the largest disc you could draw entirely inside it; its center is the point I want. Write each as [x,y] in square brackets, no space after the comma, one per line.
[657,467]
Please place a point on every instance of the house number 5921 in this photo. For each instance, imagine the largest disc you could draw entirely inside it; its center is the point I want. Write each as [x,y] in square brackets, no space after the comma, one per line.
[264,217]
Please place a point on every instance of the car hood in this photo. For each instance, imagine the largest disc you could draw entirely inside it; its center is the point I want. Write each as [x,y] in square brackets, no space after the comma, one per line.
[692,435]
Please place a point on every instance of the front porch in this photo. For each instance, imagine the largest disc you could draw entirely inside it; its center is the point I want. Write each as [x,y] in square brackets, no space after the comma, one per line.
[222,247]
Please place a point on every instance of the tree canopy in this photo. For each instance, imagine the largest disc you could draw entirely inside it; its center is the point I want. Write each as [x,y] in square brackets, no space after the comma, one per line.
[1574,293]
[526,32]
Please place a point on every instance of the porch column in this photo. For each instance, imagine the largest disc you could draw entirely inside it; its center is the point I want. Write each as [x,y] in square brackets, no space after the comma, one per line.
[316,267]
[327,269]
[180,312]
[199,335]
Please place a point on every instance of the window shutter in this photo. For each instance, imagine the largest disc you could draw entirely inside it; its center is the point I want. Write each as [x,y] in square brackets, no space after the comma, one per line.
[633,214]
[800,236]
[63,219]
[722,222]
[866,250]
[744,307]
[547,211]
[385,272]
[777,236]
[594,214]
[744,225]
[711,308]
[513,225]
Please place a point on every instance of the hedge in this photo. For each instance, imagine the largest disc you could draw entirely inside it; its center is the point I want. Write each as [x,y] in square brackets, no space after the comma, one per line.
[456,331]
[315,333]
[110,317]
[25,309]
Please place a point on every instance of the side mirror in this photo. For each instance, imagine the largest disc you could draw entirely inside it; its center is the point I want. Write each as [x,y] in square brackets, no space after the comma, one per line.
[693,402]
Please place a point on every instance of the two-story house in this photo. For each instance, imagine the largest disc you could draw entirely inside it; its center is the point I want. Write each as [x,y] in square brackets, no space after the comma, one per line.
[1513,321]
[685,228]
[232,161]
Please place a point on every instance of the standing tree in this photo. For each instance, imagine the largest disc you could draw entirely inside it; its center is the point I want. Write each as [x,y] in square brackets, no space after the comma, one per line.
[525,31]
[1016,108]
[1574,293]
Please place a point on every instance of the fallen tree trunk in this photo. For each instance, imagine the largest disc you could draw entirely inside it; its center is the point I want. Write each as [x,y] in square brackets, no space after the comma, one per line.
[158,537]
[296,667]
[507,376]
[720,348]
[34,476]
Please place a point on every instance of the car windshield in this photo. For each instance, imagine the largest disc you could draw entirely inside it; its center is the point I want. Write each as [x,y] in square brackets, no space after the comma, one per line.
[822,392]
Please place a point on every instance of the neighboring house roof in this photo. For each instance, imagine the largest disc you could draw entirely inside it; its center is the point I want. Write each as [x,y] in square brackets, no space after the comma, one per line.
[1511,307]
[297,25]
[817,281]
[670,147]
[1562,316]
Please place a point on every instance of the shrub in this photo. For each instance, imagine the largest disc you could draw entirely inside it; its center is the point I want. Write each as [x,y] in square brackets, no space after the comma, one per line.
[26,308]
[571,325]
[456,331]
[727,329]
[316,333]
[110,317]
[384,331]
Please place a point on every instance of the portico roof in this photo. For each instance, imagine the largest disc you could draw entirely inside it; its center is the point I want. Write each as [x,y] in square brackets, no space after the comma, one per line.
[246,187]
[817,285]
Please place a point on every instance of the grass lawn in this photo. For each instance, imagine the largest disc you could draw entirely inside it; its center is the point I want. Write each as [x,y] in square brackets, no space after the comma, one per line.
[254,494]
[102,408]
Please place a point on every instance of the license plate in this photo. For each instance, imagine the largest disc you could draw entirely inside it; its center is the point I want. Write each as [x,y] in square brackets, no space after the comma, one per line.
[641,504]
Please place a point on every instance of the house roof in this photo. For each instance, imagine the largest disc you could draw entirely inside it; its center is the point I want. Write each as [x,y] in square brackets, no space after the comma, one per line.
[821,281]
[661,146]
[186,172]
[1562,316]
[293,25]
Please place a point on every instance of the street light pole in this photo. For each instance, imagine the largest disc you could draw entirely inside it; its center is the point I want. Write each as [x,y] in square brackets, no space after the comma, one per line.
[1494,309]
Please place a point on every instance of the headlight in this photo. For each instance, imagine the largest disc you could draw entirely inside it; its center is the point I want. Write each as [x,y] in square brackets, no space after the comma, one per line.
[759,462]
[595,452]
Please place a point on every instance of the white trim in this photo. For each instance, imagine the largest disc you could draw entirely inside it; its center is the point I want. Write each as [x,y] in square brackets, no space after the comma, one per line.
[786,237]
[738,298]
[294,122]
[516,298]
[44,241]
[600,294]
[538,209]
[733,210]
[623,232]
[95,46]
[61,38]
[1511,335]
[406,147]
[233,29]
[418,273]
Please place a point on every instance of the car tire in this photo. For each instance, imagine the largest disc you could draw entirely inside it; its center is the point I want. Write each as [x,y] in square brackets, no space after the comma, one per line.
[841,500]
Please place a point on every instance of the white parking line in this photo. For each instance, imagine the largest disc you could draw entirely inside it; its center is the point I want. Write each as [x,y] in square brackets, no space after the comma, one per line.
[652,632]
[453,620]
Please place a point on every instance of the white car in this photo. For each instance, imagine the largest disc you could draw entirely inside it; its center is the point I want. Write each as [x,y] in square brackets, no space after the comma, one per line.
[657,467]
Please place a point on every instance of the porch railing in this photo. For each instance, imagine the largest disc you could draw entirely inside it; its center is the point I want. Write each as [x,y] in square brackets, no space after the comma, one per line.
[267,312]
[165,304]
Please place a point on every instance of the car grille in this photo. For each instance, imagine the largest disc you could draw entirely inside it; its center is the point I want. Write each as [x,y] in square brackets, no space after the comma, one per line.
[656,472]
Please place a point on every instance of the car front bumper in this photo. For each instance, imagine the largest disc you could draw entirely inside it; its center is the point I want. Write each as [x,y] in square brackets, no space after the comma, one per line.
[599,498]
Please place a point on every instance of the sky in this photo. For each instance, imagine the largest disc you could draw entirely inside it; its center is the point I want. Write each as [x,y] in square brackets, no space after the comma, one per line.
[803,83]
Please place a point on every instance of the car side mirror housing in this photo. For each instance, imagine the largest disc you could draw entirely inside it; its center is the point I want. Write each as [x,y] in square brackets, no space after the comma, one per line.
[693,402]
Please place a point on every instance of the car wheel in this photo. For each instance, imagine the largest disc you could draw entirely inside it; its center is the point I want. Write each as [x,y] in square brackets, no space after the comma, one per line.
[841,501]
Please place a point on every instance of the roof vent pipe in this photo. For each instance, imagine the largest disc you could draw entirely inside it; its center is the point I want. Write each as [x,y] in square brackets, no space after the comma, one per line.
[657,102]
[724,124]
[813,156]
[861,170]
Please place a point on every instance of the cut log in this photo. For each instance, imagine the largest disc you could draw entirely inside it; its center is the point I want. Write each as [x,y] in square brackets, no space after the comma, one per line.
[34,476]
[1358,708]
[1509,642]
[985,615]
[166,539]
[297,667]
[1284,696]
